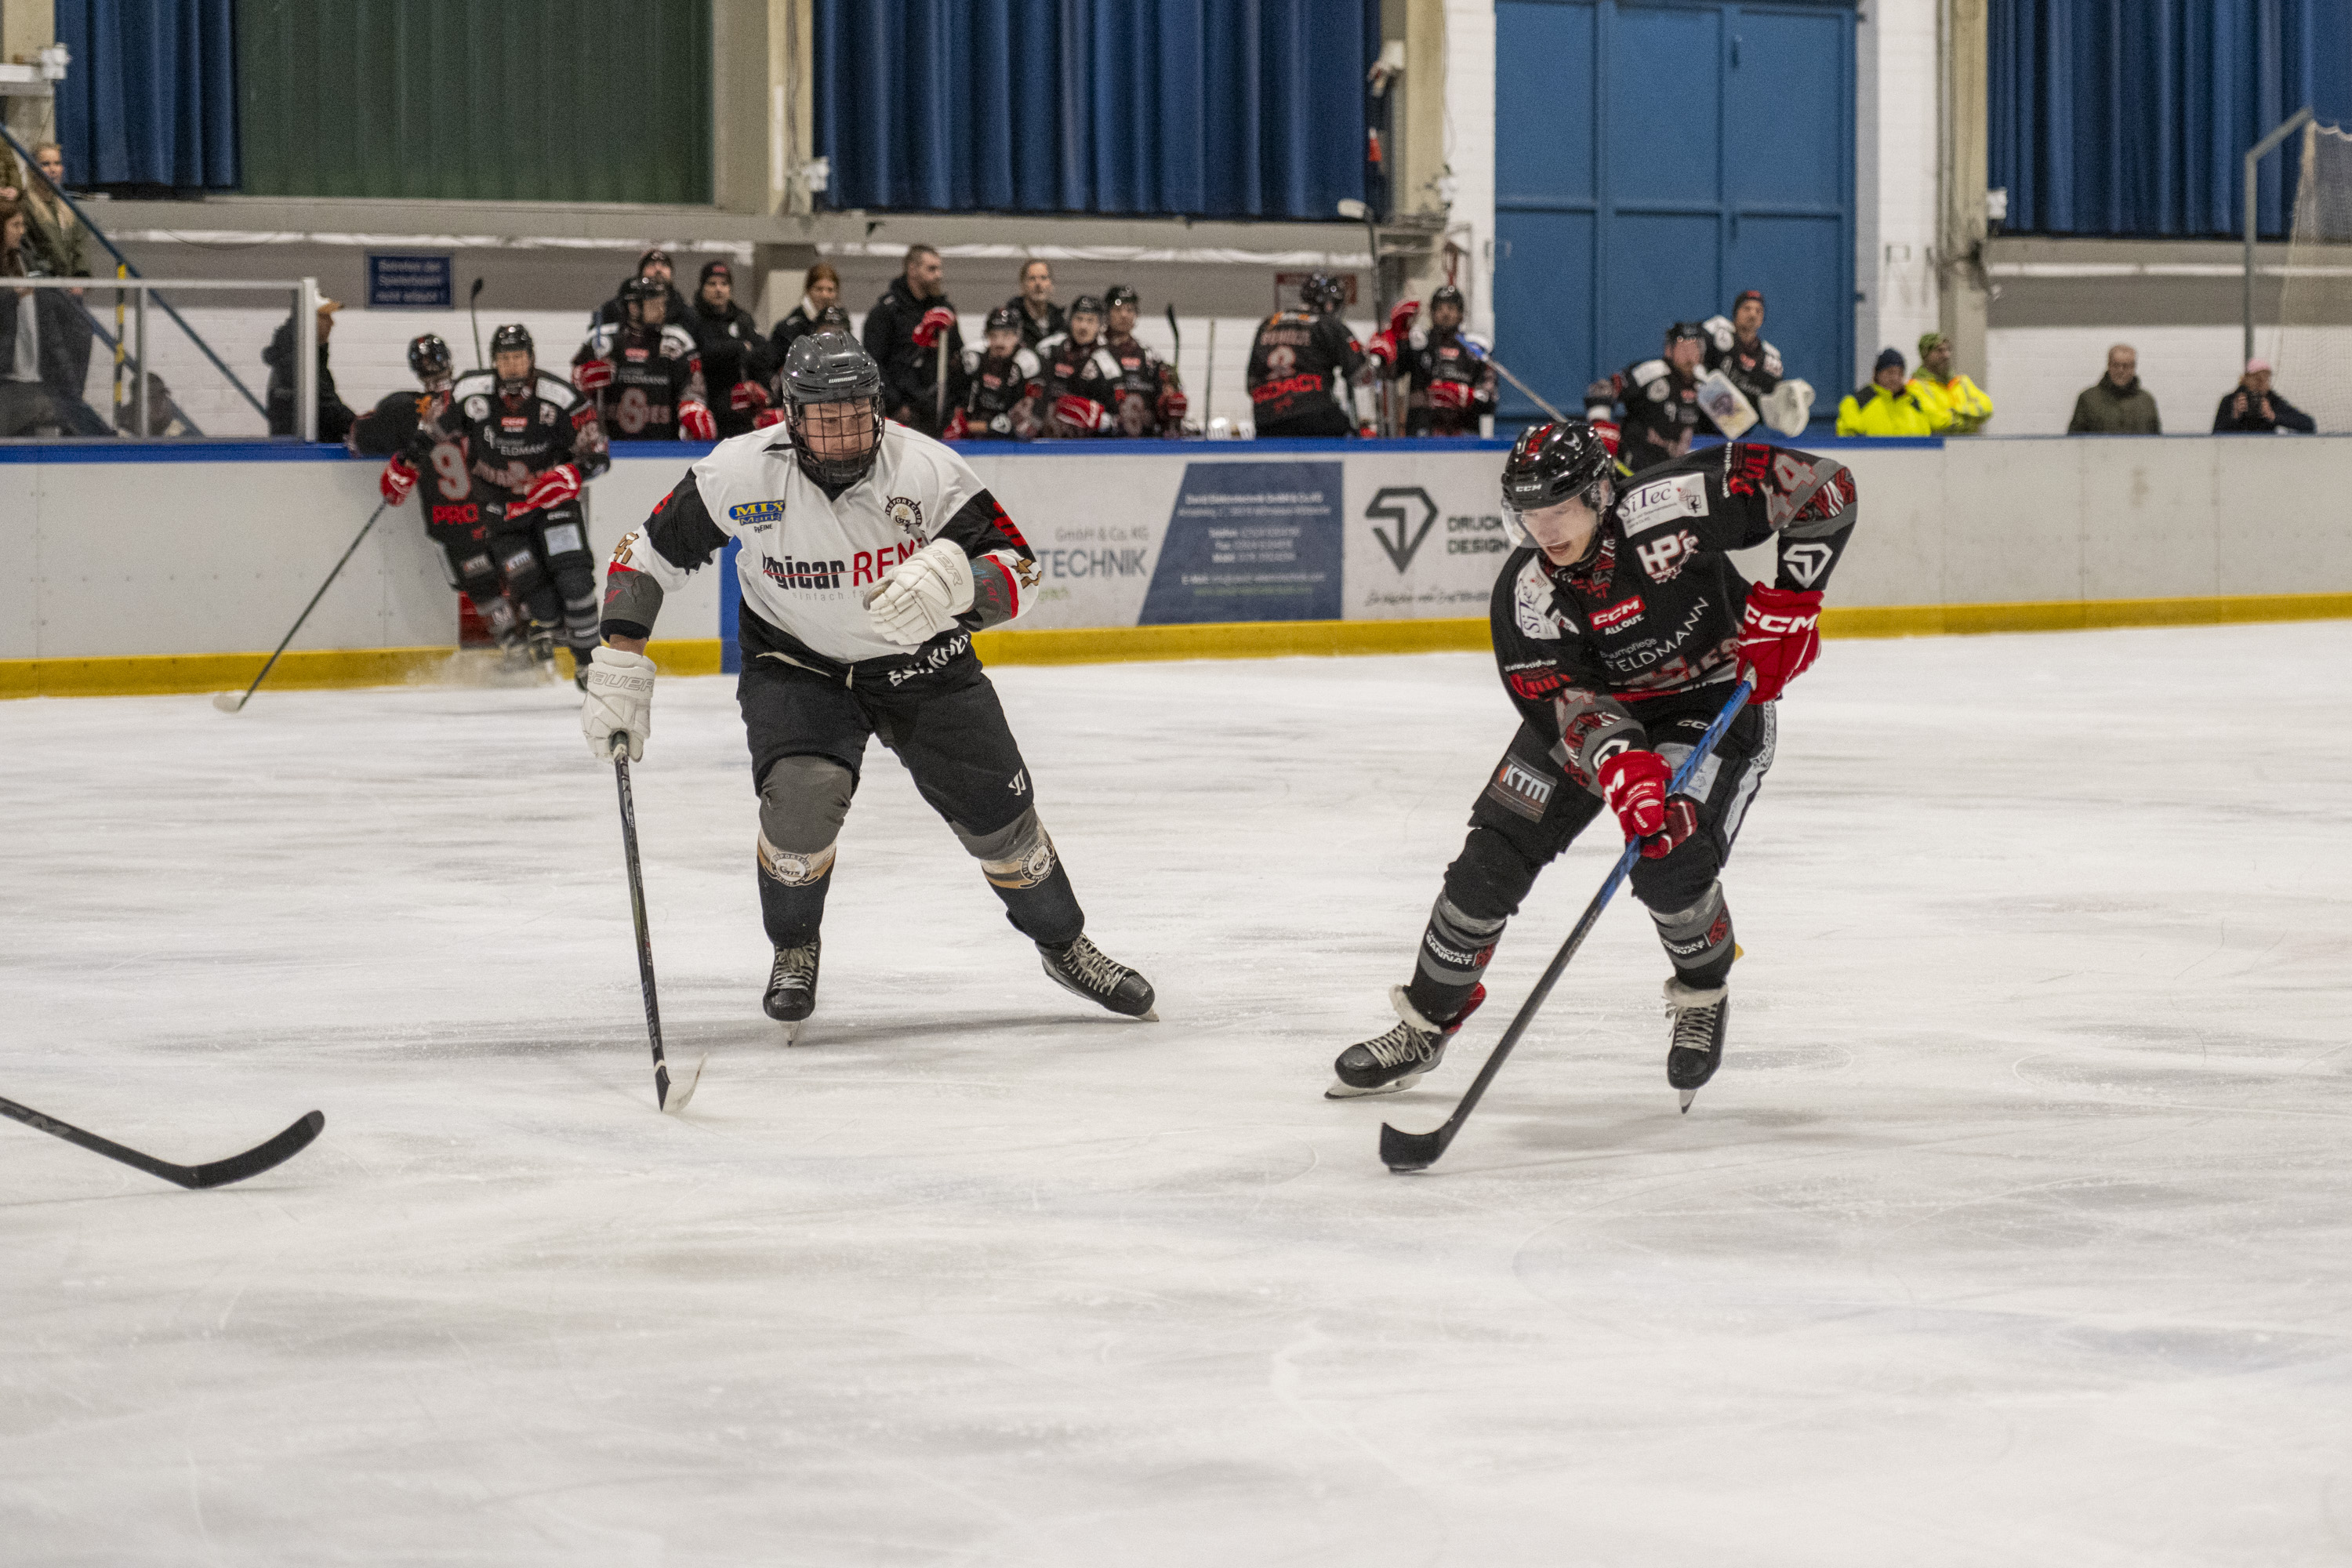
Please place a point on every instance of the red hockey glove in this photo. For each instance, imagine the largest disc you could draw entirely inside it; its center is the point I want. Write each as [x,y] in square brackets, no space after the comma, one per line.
[766,417]
[746,394]
[935,320]
[1455,395]
[1682,821]
[695,423]
[1779,635]
[1382,349]
[1401,319]
[591,373]
[1633,785]
[1082,412]
[958,427]
[1607,432]
[1173,406]
[553,488]
[399,478]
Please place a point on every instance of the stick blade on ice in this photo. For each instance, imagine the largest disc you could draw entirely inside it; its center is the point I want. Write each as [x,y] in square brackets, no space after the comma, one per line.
[260,1158]
[1401,1150]
[229,701]
[675,1092]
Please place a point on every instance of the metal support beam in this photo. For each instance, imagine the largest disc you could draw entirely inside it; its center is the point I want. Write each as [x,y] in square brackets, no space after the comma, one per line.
[2254,155]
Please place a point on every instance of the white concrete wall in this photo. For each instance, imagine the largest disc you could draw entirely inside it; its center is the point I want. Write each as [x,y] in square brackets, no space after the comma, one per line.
[1470,145]
[1899,159]
[113,558]
[2035,372]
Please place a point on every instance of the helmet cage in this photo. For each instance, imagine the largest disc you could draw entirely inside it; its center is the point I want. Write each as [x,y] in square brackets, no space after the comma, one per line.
[862,420]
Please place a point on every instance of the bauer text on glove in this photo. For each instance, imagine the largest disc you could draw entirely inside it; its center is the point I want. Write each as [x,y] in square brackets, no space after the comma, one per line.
[618,700]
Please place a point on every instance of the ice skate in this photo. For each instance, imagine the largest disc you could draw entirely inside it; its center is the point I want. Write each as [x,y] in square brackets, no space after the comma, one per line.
[791,988]
[1398,1059]
[543,649]
[1082,970]
[1695,1047]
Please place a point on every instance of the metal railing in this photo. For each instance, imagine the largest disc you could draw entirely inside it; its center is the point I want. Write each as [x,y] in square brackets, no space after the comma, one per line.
[33,172]
[304,292]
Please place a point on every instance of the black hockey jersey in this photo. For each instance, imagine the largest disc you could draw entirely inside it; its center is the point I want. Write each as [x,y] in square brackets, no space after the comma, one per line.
[1143,377]
[655,372]
[1077,369]
[505,439]
[1003,399]
[1662,413]
[1300,362]
[1754,368]
[1654,606]
[445,492]
[1456,357]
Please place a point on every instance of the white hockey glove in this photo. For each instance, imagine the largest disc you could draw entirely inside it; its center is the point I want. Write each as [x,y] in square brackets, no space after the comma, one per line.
[619,701]
[1789,405]
[922,596]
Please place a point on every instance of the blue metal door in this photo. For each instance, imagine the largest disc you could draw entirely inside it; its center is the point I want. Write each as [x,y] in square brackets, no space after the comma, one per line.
[1652,159]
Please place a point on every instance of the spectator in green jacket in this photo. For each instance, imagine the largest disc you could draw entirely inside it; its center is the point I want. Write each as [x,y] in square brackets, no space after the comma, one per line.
[2116,405]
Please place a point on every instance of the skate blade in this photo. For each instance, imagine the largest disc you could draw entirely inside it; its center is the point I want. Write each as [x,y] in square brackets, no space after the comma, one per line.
[1688,1095]
[793,1031]
[1342,1089]
[682,1090]
[1150,1015]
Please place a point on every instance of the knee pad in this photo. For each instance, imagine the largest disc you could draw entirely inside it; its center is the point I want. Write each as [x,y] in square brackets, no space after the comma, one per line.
[1018,854]
[520,566]
[1489,878]
[1678,880]
[802,803]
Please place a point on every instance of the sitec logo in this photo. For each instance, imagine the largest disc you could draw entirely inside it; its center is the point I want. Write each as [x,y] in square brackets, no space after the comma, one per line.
[1412,513]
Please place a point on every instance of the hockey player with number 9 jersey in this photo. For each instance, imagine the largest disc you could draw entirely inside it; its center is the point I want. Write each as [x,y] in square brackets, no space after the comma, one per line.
[869,555]
[1619,626]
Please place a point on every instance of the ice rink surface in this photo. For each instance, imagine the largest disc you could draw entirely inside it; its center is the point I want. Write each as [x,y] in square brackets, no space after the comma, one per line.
[2017,1228]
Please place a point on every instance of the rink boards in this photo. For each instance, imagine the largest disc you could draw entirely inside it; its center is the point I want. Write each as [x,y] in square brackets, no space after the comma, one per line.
[181,561]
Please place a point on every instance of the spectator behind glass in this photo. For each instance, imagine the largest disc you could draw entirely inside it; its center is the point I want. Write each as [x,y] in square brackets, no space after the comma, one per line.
[334,420]
[819,289]
[57,238]
[2253,408]
[1885,404]
[734,351]
[1040,316]
[2116,404]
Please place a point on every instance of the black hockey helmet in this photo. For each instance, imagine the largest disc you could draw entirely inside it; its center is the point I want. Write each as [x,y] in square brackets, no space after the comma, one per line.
[429,361]
[637,290]
[1085,305]
[1003,319]
[1445,294]
[512,336]
[1686,332]
[833,316]
[828,372]
[1120,294]
[1556,462]
[1321,291]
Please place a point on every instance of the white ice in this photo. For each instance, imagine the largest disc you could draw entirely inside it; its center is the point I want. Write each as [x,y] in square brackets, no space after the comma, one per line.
[2017,1228]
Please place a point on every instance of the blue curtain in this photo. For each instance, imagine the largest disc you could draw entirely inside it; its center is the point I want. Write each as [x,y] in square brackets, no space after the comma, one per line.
[1211,108]
[151,96]
[2133,117]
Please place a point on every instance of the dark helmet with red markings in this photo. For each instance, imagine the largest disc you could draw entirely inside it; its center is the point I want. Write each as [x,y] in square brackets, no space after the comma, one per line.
[512,338]
[1321,291]
[1566,460]
[429,361]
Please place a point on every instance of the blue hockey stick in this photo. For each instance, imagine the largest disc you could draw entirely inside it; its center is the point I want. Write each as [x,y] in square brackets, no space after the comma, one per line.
[1419,1151]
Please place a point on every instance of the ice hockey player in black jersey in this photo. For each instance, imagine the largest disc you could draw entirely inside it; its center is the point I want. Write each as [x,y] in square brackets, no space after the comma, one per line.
[1005,386]
[531,441]
[1620,626]
[1082,375]
[646,373]
[453,517]
[1450,386]
[1302,363]
[1736,346]
[1150,401]
[1661,399]
[870,554]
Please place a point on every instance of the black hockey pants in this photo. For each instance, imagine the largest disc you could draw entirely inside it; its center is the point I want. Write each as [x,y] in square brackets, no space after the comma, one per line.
[545,559]
[1531,810]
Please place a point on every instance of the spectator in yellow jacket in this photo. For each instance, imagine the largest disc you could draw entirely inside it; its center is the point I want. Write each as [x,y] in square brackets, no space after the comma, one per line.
[1884,405]
[1955,405]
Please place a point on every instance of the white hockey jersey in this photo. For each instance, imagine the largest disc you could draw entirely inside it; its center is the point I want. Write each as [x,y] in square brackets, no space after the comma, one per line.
[808,560]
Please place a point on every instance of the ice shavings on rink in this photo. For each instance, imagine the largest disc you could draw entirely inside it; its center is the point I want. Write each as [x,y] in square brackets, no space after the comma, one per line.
[2017,1226]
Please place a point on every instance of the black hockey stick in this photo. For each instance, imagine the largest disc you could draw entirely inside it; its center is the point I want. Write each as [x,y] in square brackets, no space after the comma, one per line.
[218,1174]
[1419,1151]
[664,1096]
[474,316]
[227,704]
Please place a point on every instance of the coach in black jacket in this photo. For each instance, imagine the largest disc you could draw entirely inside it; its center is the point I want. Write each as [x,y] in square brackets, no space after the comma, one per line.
[903,332]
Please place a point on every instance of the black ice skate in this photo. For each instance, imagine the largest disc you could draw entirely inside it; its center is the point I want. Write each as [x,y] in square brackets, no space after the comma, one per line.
[1397,1059]
[1695,1047]
[1082,970]
[542,643]
[792,987]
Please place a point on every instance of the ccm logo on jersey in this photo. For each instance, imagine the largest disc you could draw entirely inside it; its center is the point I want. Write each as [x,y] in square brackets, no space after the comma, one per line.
[1663,500]
[1624,613]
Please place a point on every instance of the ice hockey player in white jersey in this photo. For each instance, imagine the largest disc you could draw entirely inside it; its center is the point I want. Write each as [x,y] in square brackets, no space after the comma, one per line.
[870,555]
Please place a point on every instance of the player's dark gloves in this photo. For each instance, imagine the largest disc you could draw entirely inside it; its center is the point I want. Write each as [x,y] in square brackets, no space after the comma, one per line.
[1779,636]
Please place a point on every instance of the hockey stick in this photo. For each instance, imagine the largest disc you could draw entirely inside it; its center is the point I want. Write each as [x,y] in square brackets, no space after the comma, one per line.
[474,316]
[217,1174]
[227,704]
[1484,358]
[665,1096]
[1419,1151]
[940,397]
